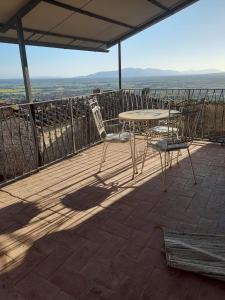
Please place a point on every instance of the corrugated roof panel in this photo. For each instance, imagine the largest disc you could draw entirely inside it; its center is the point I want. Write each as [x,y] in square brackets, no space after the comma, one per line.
[140,10]
[12,33]
[75,3]
[45,16]
[53,39]
[75,23]
[35,37]
[112,32]
[8,8]
[171,3]
[87,44]
[81,25]
[9,33]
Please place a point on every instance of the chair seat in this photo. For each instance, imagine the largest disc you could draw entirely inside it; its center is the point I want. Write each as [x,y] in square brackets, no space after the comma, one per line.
[168,145]
[118,137]
[163,129]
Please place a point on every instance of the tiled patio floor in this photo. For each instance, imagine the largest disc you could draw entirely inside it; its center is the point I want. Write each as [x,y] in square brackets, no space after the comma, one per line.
[69,232]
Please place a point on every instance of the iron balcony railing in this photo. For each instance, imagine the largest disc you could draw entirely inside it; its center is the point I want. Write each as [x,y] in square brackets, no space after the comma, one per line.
[35,135]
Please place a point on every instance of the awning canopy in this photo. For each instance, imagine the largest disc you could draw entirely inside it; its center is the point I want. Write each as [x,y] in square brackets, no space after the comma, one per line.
[93,25]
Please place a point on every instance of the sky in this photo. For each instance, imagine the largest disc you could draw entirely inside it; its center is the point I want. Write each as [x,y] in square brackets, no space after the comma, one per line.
[193,39]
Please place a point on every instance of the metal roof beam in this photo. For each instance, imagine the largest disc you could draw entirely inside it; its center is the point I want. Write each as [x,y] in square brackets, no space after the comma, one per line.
[20,14]
[87,13]
[158,4]
[55,45]
[52,45]
[49,33]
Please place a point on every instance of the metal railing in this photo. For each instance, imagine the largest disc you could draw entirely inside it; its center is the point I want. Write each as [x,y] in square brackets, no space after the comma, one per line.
[212,123]
[35,135]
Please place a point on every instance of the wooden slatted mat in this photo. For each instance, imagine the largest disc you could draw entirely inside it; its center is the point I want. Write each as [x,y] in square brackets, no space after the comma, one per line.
[199,253]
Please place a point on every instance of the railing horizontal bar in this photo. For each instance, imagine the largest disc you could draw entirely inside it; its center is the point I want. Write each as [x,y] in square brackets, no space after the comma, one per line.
[60,124]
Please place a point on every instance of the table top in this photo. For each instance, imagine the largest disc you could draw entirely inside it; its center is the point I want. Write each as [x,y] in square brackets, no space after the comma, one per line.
[147,114]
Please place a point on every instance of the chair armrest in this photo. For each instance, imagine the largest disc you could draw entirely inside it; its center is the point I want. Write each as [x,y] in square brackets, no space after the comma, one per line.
[111,120]
[112,127]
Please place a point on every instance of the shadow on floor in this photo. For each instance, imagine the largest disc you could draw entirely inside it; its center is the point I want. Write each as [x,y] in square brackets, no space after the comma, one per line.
[86,197]
[116,254]
[16,216]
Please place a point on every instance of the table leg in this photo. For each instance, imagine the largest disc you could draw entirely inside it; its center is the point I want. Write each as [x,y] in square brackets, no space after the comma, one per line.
[145,150]
[133,152]
[135,162]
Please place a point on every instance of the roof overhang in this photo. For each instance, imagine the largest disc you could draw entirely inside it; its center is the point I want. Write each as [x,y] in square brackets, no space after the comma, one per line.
[94,25]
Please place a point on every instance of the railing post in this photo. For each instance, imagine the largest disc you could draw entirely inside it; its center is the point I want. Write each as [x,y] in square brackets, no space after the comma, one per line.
[72,125]
[119,66]
[188,97]
[121,100]
[35,135]
[88,124]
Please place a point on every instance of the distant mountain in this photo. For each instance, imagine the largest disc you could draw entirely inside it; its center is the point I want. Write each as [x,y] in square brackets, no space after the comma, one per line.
[202,72]
[138,72]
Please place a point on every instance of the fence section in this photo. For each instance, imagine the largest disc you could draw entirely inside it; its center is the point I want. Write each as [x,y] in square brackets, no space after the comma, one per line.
[212,123]
[18,153]
[35,135]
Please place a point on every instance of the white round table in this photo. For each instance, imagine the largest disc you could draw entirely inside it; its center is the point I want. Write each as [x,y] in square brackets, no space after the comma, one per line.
[147,114]
[144,115]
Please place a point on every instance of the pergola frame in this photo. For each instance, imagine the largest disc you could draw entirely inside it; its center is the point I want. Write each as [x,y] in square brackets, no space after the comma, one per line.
[15,23]
[119,66]
[133,29]
[87,13]
[23,57]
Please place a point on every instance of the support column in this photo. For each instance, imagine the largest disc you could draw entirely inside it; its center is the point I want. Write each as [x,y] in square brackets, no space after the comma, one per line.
[119,66]
[23,57]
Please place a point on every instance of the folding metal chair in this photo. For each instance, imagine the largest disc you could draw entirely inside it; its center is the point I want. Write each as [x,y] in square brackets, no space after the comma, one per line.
[120,137]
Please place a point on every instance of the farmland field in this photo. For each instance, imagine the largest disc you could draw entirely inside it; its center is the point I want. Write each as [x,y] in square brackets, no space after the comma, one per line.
[12,90]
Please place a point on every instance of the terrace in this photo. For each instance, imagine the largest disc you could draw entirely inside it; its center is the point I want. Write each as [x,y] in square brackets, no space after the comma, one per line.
[68,231]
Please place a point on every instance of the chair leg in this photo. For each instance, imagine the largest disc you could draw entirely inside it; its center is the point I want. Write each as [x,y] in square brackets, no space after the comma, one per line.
[105,145]
[178,154]
[168,159]
[171,159]
[144,158]
[132,155]
[135,156]
[193,172]
[145,152]
[163,172]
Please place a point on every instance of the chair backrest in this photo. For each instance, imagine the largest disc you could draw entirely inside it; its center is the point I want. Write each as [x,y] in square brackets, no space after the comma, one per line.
[185,124]
[96,112]
[191,115]
[174,120]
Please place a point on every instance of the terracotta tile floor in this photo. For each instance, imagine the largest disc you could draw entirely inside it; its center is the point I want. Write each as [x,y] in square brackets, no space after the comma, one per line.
[69,232]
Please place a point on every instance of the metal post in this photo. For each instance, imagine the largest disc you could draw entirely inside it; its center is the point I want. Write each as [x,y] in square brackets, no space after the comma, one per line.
[119,65]
[26,79]
[23,57]
[72,125]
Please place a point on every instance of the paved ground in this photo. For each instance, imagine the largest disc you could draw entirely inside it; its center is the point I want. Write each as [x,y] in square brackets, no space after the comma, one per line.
[69,232]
